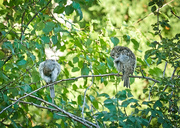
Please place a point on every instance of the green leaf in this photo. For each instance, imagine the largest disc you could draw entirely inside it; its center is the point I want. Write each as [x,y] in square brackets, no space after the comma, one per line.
[136,44]
[8,45]
[59,9]
[95,104]
[3,76]
[33,57]
[2,54]
[54,39]
[1,63]
[5,98]
[26,88]
[85,70]
[151,3]
[35,76]
[110,62]
[75,59]
[127,38]
[114,40]
[127,102]
[69,9]
[75,69]
[157,104]
[80,100]
[78,9]
[45,39]
[121,95]
[88,42]
[105,95]
[14,92]
[153,9]
[48,27]
[56,117]
[78,43]
[160,120]
[108,103]
[75,87]
[21,62]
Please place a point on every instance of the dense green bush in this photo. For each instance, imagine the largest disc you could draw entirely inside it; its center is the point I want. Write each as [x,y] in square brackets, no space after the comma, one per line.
[89,92]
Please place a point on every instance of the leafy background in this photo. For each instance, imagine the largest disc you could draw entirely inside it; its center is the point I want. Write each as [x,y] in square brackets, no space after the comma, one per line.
[80,35]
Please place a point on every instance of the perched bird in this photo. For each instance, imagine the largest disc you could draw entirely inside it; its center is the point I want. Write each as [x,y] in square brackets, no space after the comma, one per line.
[49,71]
[124,61]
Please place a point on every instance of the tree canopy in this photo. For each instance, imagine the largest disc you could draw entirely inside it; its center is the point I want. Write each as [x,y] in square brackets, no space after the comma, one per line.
[80,35]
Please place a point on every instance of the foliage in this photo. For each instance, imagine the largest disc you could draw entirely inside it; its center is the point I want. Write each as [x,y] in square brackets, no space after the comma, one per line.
[85,32]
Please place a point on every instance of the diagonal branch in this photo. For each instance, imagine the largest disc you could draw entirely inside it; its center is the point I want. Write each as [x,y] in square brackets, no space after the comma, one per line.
[84,102]
[74,117]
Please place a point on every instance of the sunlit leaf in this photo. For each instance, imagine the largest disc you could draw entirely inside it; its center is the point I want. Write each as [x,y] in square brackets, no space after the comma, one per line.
[21,62]
[114,40]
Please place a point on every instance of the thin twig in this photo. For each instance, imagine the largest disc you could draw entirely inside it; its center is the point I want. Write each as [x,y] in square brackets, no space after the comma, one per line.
[39,106]
[164,69]
[22,22]
[151,13]
[84,101]
[175,14]
[142,72]
[24,97]
[170,79]
[149,121]
[94,116]
[159,31]
[151,90]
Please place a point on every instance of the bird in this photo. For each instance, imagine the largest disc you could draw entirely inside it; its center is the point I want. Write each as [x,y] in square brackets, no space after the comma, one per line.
[124,61]
[49,71]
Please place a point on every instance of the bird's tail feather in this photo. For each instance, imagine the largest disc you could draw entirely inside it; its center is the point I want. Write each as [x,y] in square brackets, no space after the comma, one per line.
[126,80]
[52,93]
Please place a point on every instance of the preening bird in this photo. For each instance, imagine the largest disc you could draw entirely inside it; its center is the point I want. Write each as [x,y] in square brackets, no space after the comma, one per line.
[124,61]
[49,71]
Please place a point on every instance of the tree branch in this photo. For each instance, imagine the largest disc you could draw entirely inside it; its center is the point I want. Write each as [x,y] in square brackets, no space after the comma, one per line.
[152,13]
[164,69]
[170,79]
[74,117]
[83,76]
[84,102]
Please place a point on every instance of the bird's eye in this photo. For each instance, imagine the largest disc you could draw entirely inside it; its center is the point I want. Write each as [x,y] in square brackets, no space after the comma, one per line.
[117,61]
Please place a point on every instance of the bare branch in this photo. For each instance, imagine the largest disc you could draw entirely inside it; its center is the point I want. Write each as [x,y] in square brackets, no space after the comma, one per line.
[22,21]
[159,31]
[164,69]
[94,116]
[175,14]
[151,90]
[74,117]
[83,76]
[170,79]
[84,102]
[104,75]
[142,72]
[149,121]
